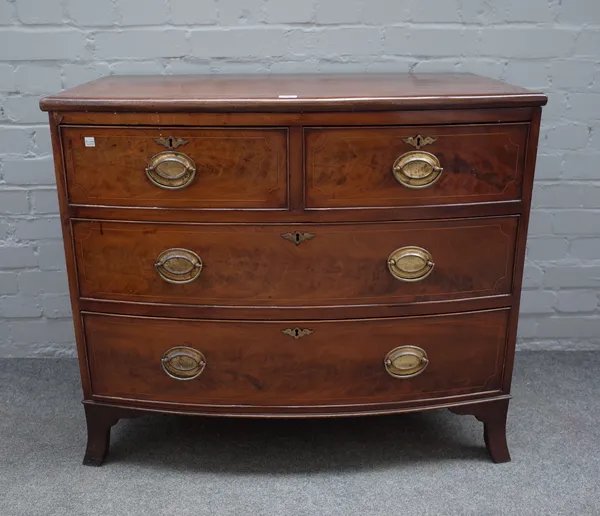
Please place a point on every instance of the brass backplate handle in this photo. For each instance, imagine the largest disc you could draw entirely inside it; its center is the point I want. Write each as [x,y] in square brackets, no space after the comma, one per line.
[417,169]
[406,362]
[171,170]
[183,363]
[178,265]
[410,263]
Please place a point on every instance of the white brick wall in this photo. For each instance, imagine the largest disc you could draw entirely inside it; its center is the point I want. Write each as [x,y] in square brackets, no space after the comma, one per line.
[46,45]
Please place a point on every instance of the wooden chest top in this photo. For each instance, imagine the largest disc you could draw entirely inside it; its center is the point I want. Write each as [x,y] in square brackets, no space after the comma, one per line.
[291,93]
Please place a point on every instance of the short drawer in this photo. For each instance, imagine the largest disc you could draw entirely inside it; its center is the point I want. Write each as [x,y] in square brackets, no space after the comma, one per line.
[300,265]
[295,363]
[414,166]
[176,167]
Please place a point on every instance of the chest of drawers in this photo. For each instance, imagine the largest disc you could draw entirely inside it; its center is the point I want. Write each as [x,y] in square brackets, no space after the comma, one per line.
[295,246]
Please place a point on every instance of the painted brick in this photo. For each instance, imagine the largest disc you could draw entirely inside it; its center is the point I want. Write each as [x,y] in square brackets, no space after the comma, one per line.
[331,12]
[549,166]
[547,249]
[7,78]
[51,256]
[141,44]
[577,222]
[13,202]
[384,12]
[534,11]
[425,41]
[56,307]
[242,42]
[42,143]
[33,79]
[15,307]
[142,12]
[569,327]
[36,12]
[29,171]
[76,74]
[573,302]
[542,44]
[42,282]
[433,11]
[541,223]
[8,283]
[7,12]
[581,165]
[38,229]
[45,201]
[527,327]
[526,42]
[289,12]
[199,12]
[235,12]
[18,257]
[567,196]
[576,276]
[572,74]
[43,331]
[532,74]
[533,276]
[14,140]
[585,106]
[585,249]
[579,11]
[538,302]
[92,12]
[24,110]
[42,44]
[588,43]
[572,136]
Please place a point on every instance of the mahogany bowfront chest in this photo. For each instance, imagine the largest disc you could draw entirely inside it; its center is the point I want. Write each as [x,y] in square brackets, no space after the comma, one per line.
[295,246]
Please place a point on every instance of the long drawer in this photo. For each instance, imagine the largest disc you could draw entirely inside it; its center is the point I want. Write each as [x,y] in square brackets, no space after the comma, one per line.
[302,265]
[375,167]
[190,168]
[295,363]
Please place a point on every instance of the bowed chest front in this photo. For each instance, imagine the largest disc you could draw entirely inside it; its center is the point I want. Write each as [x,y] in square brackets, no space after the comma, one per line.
[295,246]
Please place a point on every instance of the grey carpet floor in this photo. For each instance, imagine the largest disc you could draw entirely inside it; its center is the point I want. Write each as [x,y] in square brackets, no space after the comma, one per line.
[420,464]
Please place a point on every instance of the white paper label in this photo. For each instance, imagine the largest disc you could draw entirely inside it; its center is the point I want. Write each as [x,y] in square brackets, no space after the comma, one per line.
[288,96]
[89,141]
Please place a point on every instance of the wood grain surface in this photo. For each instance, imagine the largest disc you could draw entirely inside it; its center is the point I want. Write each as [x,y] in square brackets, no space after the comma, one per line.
[291,93]
[251,265]
[255,363]
[236,168]
[352,167]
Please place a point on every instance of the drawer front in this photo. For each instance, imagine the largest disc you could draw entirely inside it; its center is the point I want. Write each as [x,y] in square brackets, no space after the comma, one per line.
[186,168]
[400,166]
[261,363]
[282,265]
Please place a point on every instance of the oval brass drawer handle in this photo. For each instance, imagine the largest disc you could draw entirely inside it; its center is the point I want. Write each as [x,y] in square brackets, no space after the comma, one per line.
[406,362]
[417,169]
[410,263]
[171,170]
[178,265]
[183,363]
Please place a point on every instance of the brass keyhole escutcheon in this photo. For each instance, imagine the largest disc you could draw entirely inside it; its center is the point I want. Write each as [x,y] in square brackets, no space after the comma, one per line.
[171,170]
[297,333]
[417,169]
[297,237]
[178,265]
[406,362]
[410,263]
[183,363]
